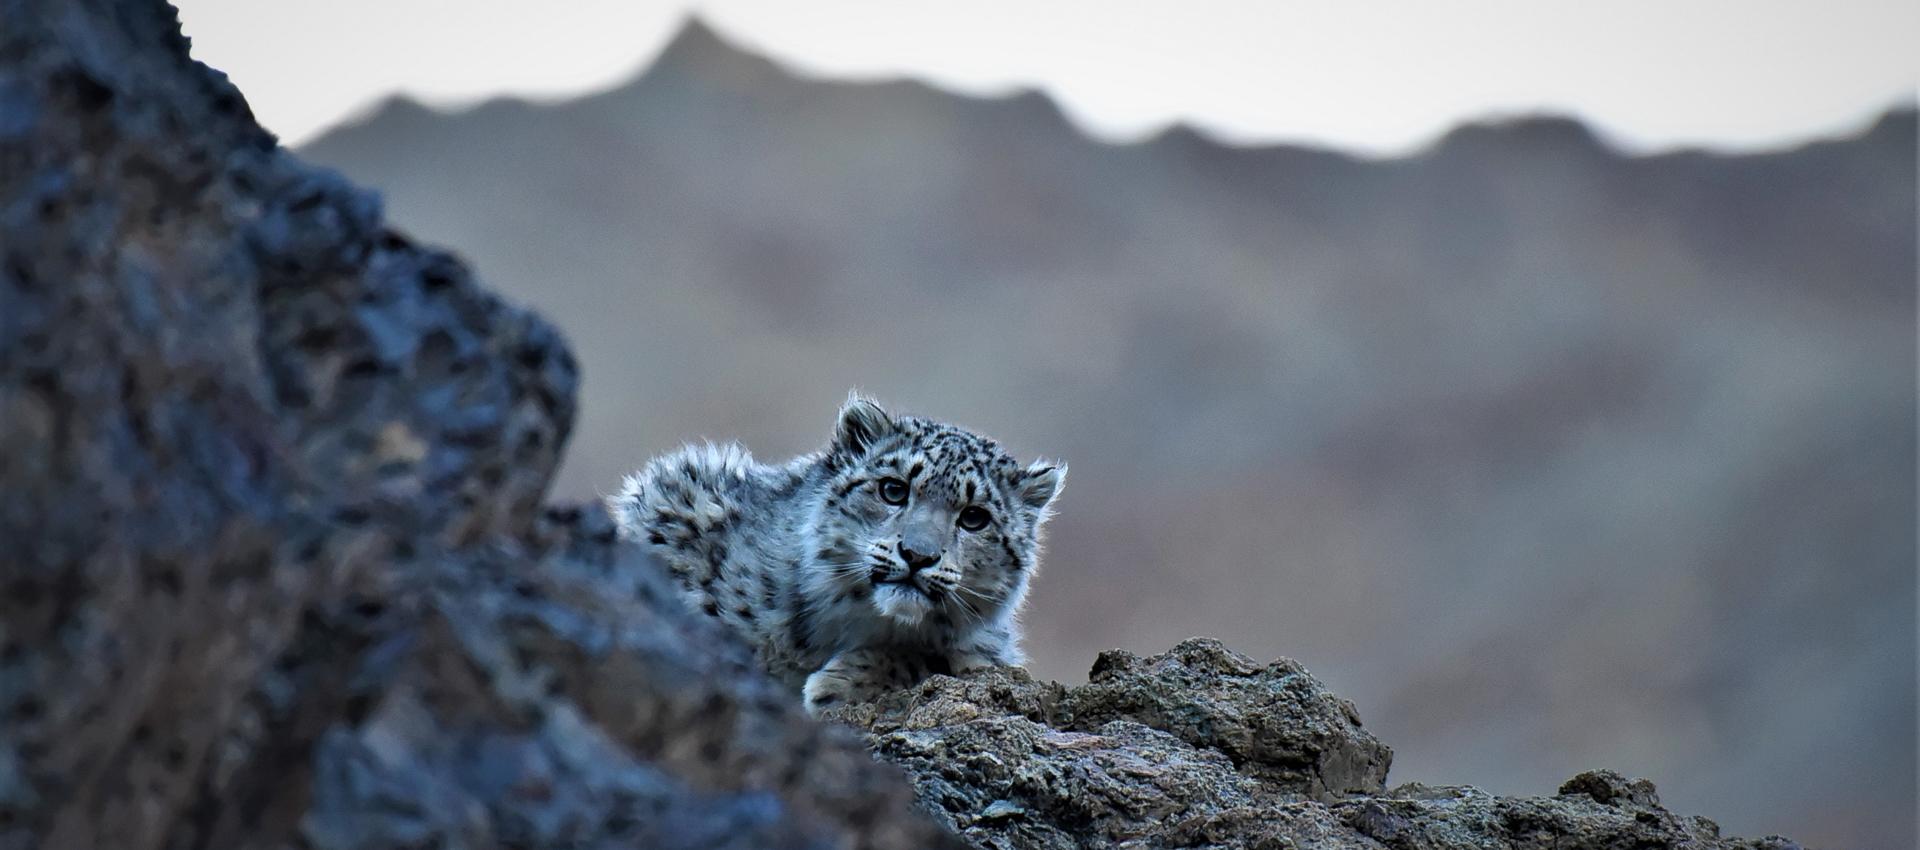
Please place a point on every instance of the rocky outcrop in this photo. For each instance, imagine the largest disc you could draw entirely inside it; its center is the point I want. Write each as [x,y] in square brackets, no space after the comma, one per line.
[275,568]
[1202,747]
[277,572]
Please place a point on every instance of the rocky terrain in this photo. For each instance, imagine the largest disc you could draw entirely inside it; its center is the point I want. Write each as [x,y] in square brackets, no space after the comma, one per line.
[278,572]
[1203,747]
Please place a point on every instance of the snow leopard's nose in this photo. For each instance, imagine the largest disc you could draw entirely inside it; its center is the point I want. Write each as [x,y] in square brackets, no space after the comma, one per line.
[917,561]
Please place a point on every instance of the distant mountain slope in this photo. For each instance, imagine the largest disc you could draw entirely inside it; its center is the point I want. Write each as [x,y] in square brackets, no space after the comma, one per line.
[1551,456]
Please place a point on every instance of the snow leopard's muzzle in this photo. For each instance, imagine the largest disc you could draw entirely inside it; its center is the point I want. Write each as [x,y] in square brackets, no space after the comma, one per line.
[915,571]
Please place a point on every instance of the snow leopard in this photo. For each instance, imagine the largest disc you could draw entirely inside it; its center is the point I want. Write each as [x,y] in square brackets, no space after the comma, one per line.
[901,550]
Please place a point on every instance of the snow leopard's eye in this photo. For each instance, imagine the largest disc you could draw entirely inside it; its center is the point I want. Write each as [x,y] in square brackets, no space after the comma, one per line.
[893,491]
[974,518]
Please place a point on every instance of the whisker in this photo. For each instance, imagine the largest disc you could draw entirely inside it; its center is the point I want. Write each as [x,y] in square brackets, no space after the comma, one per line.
[975,593]
[851,571]
[972,612]
[958,593]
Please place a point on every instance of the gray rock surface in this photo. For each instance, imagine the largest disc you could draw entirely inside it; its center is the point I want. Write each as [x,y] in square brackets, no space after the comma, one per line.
[277,572]
[1275,721]
[1202,747]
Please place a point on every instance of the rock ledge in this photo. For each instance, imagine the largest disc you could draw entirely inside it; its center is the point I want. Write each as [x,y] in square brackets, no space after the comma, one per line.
[1203,747]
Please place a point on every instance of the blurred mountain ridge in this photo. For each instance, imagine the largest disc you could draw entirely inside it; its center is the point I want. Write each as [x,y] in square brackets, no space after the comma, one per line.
[1550,455]
[701,50]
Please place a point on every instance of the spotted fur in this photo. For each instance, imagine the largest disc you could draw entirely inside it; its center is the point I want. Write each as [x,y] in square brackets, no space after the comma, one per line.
[841,593]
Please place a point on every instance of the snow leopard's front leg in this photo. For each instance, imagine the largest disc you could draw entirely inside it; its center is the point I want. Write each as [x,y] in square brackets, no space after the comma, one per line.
[859,675]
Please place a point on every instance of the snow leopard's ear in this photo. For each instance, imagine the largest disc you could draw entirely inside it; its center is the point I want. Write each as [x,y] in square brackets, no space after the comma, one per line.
[1040,483]
[862,423]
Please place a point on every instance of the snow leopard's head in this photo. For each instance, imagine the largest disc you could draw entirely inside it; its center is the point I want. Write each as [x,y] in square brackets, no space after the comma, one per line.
[930,523]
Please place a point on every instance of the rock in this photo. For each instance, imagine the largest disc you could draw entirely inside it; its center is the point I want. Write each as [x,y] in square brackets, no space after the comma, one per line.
[277,571]
[1274,721]
[1202,747]
[1606,786]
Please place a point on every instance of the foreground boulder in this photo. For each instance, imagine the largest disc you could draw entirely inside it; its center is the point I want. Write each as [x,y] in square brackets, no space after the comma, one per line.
[1202,747]
[276,571]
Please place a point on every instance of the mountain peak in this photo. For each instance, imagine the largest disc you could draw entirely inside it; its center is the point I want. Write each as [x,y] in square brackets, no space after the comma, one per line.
[1539,132]
[400,107]
[1182,135]
[699,49]
[1898,122]
[696,37]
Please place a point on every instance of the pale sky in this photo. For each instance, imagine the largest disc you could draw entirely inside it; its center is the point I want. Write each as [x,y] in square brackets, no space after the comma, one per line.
[1379,77]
